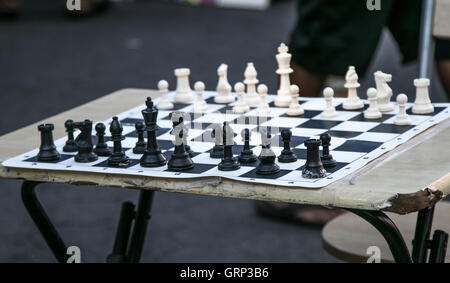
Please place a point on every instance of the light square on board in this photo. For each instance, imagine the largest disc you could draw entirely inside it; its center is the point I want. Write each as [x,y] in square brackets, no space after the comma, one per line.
[355,126]
[284,122]
[376,137]
[342,116]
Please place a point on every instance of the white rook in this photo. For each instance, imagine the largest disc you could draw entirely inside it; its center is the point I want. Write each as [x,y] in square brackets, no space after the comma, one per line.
[422,104]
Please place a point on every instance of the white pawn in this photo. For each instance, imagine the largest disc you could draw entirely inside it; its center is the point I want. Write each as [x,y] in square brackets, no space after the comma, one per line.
[422,103]
[372,112]
[295,109]
[263,108]
[250,75]
[164,103]
[353,102]
[329,111]
[183,91]
[240,107]
[402,117]
[223,86]
[200,105]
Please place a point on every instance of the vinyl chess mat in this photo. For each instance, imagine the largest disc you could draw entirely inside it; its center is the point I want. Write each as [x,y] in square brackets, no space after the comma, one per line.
[355,141]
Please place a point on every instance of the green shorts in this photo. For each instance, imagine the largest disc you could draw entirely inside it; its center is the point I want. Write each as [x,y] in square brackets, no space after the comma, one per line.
[331,35]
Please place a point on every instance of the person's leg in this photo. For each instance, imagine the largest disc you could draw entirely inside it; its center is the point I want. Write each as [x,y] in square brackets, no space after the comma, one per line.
[444,74]
[10,7]
[310,84]
[404,25]
[443,63]
[331,35]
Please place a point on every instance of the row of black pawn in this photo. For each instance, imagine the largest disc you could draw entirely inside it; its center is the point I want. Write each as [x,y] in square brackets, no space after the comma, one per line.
[314,166]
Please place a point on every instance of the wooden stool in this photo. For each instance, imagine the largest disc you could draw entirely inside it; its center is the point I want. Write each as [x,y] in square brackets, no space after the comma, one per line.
[348,236]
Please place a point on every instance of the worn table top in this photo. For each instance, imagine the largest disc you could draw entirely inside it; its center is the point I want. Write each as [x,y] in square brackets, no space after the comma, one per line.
[411,177]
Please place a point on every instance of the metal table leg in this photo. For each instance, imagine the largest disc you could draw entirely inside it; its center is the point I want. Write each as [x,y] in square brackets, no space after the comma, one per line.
[389,231]
[42,221]
[140,225]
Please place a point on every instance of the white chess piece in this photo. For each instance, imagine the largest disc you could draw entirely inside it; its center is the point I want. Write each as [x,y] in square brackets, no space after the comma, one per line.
[200,105]
[353,102]
[295,109]
[164,103]
[422,103]
[263,108]
[384,92]
[283,98]
[240,107]
[250,75]
[372,112]
[183,91]
[329,111]
[223,86]
[402,117]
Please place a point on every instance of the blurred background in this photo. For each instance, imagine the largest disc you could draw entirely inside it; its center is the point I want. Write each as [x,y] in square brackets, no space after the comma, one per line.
[51,62]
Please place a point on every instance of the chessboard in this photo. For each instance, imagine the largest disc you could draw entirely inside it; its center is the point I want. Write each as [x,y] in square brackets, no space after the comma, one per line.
[355,141]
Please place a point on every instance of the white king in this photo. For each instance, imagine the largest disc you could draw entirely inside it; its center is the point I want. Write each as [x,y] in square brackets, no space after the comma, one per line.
[283,98]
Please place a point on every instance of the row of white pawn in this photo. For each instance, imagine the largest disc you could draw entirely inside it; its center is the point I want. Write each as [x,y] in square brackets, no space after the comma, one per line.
[373,112]
[242,105]
[295,109]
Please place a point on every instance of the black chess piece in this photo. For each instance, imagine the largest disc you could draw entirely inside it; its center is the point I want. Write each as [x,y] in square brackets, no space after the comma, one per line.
[70,145]
[228,163]
[217,151]
[187,147]
[313,167]
[84,142]
[101,149]
[327,159]
[180,159]
[118,157]
[140,144]
[267,165]
[47,149]
[287,155]
[246,155]
[152,156]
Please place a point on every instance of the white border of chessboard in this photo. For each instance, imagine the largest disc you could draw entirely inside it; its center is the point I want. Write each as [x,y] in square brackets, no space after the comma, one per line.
[137,170]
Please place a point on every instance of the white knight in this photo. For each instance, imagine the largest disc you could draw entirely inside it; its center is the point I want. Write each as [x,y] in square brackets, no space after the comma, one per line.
[384,92]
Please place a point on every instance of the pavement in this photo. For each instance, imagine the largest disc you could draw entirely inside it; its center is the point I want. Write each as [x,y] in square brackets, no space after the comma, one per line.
[49,64]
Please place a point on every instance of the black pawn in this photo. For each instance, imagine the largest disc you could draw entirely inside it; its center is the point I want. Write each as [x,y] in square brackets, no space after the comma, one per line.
[102,148]
[228,163]
[118,157]
[84,142]
[152,156]
[287,155]
[217,151]
[47,150]
[327,159]
[247,155]
[267,157]
[313,167]
[180,159]
[140,144]
[70,145]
